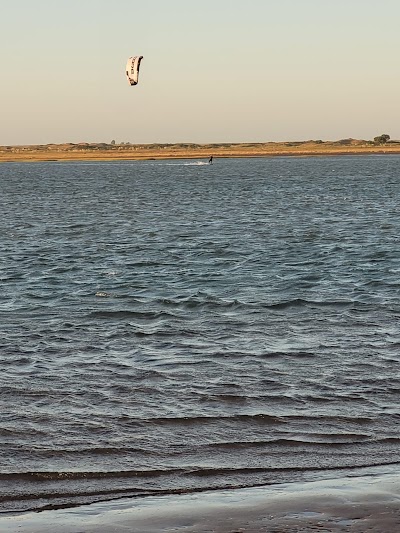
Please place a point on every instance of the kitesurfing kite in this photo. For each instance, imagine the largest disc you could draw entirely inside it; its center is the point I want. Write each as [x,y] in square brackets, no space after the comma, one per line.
[132,69]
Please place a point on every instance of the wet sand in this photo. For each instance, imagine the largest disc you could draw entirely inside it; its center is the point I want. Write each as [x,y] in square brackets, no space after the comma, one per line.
[367,504]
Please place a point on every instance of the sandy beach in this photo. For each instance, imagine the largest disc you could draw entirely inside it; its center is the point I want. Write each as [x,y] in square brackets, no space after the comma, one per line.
[126,152]
[368,503]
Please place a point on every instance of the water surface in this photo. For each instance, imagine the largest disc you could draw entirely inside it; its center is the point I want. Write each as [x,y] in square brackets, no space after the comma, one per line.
[169,327]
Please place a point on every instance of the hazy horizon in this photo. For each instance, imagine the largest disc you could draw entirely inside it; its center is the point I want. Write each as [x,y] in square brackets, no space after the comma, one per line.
[213,72]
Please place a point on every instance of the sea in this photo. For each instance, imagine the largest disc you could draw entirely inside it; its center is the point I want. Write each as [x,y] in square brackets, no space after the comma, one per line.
[172,326]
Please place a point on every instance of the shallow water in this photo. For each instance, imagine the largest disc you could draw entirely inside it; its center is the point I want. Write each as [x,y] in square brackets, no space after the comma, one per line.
[169,327]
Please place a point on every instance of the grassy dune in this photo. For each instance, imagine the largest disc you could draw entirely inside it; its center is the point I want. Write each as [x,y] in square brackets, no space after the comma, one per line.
[115,152]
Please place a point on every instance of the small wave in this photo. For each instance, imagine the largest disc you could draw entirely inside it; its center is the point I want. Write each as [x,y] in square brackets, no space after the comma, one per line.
[63,476]
[293,353]
[215,472]
[332,441]
[187,420]
[49,476]
[184,164]
[126,314]
[228,398]
[299,302]
[330,418]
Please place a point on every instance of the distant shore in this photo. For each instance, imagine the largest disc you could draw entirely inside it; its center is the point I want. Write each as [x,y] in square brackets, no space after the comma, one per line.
[126,151]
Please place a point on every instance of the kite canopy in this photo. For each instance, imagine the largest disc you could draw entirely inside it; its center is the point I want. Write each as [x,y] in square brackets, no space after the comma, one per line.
[132,69]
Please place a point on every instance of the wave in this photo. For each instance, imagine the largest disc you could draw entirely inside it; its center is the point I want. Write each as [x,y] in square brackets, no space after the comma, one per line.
[199,420]
[183,164]
[335,441]
[127,314]
[299,302]
[41,476]
[63,476]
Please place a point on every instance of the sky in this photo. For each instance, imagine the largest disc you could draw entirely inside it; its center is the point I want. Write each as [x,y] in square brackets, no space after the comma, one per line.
[212,70]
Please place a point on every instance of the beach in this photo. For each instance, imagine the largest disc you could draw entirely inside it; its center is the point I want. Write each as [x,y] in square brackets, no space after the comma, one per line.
[360,504]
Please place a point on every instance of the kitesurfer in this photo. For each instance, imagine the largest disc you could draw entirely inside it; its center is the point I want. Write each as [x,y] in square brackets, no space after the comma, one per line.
[210,160]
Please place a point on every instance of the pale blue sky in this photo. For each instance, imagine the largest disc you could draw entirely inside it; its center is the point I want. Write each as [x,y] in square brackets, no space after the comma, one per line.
[213,70]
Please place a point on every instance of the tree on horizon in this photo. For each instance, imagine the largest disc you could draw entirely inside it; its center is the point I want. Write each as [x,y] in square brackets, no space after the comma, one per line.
[382,139]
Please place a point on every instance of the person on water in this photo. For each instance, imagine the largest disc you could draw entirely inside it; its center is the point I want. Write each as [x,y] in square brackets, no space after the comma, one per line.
[210,160]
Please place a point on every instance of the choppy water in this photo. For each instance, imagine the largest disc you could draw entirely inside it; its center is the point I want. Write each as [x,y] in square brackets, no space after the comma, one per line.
[172,327]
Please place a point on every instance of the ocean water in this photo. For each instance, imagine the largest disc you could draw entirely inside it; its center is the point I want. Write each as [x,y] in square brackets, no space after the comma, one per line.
[172,326]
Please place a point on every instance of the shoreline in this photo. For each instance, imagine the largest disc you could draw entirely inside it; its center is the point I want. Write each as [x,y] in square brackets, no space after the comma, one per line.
[356,504]
[104,152]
